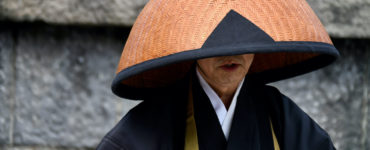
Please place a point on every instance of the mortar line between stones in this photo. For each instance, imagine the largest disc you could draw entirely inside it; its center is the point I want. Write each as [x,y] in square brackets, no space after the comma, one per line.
[43,147]
[13,84]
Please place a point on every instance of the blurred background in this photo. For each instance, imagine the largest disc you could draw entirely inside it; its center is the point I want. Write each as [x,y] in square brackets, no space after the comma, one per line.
[58,59]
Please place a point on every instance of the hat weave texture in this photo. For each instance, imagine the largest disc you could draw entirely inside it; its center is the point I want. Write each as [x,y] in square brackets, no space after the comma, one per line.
[169,35]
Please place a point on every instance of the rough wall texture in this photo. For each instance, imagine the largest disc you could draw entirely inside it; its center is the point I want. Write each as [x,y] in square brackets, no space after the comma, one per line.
[55,88]
[92,12]
[6,85]
[337,97]
[55,79]
[61,93]
[342,18]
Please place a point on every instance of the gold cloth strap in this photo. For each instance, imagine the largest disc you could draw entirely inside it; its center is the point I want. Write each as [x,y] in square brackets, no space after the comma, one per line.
[191,138]
[276,144]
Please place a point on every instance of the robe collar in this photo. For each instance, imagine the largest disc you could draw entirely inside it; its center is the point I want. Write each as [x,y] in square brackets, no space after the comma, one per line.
[224,115]
[250,128]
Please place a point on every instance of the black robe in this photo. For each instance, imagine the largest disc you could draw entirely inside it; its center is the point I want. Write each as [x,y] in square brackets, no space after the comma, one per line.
[158,123]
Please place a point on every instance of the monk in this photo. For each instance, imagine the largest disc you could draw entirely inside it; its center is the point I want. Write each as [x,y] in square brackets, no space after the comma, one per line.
[202,69]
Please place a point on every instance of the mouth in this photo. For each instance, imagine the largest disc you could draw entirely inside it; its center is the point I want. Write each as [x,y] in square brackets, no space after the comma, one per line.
[229,67]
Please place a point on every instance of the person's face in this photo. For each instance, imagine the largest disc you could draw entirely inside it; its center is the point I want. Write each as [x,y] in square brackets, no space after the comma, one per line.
[225,69]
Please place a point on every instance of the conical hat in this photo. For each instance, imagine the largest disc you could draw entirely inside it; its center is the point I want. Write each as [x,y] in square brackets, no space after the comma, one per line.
[286,37]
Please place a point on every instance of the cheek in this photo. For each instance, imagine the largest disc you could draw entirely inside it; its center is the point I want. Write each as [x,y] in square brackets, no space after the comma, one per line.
[206,65]
[248,59]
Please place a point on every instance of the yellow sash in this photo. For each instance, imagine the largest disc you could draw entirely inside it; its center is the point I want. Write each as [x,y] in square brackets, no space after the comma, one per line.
[276,144]
[191,138]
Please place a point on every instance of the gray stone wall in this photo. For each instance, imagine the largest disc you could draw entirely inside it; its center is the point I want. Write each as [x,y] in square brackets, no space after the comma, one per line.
[6,85]
[88,12]
[342,18]
[55,88]
[337,97]
[55,85]
[58,58]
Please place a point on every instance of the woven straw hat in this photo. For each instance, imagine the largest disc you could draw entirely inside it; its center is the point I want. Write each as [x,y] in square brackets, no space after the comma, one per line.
[169,35]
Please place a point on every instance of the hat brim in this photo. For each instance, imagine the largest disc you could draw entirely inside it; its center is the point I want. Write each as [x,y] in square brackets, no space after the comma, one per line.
[323,55]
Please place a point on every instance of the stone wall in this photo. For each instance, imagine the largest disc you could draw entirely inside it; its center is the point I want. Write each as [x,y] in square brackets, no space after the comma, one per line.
[55,88]
[342,18]
[337,97]
[87,12]
[55,84]
[58,58]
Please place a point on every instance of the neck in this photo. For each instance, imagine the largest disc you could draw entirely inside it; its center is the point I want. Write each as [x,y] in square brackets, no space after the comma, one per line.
[225,92]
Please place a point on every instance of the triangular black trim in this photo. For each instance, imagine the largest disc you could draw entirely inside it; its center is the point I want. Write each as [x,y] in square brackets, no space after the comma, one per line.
[233,30]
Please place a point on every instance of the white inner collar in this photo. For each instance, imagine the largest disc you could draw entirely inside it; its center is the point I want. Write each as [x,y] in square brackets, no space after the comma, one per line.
[224,116]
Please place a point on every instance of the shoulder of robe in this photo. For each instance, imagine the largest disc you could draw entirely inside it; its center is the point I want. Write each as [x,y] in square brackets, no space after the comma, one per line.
[146,125]
[295,129]
[124,133]
[139,128]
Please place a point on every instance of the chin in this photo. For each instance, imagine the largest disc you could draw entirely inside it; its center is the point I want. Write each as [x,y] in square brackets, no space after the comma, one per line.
[227,80]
